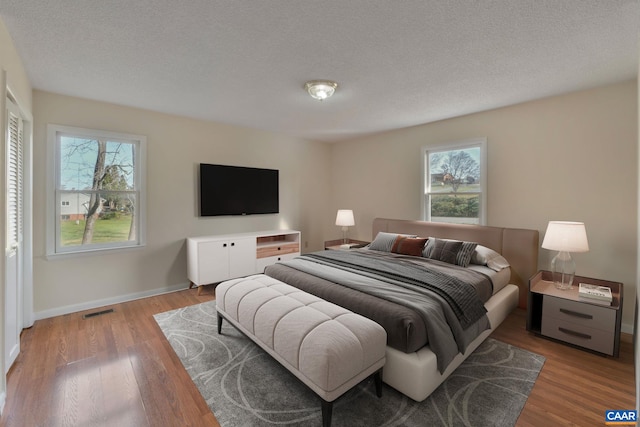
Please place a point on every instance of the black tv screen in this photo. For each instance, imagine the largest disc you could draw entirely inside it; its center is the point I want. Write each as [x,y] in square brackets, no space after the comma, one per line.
[236,190]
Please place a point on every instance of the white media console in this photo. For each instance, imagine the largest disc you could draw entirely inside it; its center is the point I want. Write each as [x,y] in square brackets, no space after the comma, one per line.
[213,259]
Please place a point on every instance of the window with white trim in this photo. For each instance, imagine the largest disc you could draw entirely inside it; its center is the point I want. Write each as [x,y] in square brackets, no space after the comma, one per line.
[97,192]
[454,185]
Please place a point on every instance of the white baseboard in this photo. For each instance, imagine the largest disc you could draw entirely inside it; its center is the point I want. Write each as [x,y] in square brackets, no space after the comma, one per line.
[59,311]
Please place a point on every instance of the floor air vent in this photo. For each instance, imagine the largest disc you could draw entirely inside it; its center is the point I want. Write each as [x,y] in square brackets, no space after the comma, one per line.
[97,313]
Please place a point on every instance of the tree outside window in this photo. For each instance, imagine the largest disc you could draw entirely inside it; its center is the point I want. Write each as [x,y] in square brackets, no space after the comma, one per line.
[98,186]
[454,183]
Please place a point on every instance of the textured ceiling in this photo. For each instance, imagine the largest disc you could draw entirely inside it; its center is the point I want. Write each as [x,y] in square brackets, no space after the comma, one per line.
[397,63]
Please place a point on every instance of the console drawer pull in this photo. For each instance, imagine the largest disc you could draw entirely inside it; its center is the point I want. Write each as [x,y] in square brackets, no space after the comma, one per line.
[576,314]
[574,333]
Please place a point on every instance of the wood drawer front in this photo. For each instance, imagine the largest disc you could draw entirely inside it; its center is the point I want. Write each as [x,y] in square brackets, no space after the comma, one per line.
[578,334]
[275,250]
[587,315]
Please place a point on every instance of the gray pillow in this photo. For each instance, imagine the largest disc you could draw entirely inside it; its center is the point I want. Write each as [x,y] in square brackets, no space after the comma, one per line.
[426,252]
[384,241]
[445,250]
[464,255]
[466,252]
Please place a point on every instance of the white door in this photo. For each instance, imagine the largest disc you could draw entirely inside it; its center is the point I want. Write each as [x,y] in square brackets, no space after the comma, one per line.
[13,253]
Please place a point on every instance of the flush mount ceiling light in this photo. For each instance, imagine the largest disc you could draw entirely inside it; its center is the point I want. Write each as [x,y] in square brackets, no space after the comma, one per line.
[320,89]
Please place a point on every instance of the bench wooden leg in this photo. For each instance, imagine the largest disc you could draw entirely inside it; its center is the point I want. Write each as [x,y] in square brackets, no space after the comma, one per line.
[199,290]
[377,378]
[327,410]
[219,324]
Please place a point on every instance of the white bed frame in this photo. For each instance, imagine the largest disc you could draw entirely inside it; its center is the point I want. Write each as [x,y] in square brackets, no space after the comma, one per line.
[416,374]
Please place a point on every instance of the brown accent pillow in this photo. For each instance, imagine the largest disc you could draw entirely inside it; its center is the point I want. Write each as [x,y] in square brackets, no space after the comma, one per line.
[408,245]
[445,250]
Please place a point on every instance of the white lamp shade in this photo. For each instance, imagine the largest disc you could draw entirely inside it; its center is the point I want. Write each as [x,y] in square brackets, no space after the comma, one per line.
[345,218]
[566,236]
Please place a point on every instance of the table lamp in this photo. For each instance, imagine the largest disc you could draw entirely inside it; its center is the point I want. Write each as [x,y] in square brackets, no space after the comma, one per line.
[565,237]
[345,220]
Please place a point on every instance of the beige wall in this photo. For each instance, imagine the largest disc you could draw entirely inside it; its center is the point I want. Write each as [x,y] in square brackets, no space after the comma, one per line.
[571,157]
[529,184]
[175,147]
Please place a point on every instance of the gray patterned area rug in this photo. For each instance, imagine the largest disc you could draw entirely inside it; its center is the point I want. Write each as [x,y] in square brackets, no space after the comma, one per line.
[244,386]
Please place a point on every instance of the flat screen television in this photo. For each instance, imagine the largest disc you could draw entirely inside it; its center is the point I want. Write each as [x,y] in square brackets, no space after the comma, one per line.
[237,190]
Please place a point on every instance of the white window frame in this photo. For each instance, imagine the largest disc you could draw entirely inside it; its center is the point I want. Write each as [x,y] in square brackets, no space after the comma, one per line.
[54,249]
[425,198]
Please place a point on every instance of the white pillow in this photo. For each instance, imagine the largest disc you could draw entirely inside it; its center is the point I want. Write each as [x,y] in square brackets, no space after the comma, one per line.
[489,257]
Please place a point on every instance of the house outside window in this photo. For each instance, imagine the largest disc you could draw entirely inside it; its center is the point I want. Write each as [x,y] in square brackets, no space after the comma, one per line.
[454,184]
[97,192]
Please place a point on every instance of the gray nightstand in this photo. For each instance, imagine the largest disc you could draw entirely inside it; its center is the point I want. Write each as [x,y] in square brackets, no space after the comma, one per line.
[563,316]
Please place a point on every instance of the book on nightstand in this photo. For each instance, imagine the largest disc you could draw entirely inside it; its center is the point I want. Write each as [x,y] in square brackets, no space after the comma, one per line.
[351,246]
[595,294]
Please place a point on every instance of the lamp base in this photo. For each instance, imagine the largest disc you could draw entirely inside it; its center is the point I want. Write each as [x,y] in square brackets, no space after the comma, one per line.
[345,230]
[563,269]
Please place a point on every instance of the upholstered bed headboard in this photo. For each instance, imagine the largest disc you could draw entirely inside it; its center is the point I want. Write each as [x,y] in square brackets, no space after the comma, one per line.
[518,246]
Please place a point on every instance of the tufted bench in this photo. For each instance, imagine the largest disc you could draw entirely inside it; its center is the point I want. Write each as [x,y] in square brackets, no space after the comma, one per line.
[328,348]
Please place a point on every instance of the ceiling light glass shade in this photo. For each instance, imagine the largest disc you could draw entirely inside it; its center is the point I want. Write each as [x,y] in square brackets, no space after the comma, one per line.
[565,237]
[320,89]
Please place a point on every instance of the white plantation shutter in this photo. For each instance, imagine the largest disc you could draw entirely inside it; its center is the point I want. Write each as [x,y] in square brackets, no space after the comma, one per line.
[14,176]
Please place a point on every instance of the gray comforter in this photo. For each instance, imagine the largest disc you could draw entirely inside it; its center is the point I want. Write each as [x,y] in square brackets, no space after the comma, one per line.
[447,300]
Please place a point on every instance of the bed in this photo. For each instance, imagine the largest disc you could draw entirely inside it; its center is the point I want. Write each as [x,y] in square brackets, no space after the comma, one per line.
[420,316]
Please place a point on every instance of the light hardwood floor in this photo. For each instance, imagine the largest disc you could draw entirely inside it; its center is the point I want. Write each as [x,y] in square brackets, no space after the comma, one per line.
[117,369]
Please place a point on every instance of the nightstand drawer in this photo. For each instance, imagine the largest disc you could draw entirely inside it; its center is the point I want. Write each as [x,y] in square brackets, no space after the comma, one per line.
[578,334]
[579,313]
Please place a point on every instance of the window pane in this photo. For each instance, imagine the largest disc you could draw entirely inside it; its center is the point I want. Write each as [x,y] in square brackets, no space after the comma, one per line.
[110,162]
[97,218]
[457,208]
[455,171]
